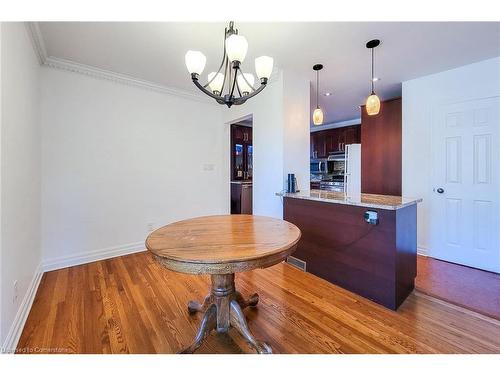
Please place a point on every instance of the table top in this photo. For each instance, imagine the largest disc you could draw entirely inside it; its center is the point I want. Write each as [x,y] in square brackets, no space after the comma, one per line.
[223,244]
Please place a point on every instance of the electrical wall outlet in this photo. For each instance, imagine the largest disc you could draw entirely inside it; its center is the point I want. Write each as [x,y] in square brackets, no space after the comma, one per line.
[208,167]
[15,294]
[371,217]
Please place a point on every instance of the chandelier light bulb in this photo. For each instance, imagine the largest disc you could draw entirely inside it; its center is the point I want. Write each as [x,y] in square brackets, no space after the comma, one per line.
[317,116]
[216,83]
[195,62]
[372,105]
[243,85]
[236,47]
[264,66]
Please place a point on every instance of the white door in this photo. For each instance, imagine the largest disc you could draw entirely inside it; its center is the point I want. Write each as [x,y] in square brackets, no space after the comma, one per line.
[465,203]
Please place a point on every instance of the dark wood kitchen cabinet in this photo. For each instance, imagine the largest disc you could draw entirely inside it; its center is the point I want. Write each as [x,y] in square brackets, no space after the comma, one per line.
[381,153]
[318,145]
[377,262]
[241,153]
[314,185]
[333,140]
[241,198]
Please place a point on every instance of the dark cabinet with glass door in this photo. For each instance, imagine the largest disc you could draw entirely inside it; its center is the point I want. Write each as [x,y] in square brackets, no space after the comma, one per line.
[241,153]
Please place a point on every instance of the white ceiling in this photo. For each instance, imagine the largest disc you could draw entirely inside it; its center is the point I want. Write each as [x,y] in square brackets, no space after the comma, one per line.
[155,52]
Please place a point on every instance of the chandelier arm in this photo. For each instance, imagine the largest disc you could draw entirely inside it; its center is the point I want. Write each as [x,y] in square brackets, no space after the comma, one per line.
[221,63]
[212,95]
[234,81]
[238,88]
[244,78]
[226,59]
[243,99]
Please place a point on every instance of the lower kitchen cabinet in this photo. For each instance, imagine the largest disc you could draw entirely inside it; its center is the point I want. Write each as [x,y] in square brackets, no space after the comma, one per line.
[241,198]
[377,262]
[315,185]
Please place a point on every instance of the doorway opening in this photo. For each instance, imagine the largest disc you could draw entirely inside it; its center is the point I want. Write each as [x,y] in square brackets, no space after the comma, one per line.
[241,166]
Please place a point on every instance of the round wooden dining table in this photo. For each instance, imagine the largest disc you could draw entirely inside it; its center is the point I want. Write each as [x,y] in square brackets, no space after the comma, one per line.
[221,246]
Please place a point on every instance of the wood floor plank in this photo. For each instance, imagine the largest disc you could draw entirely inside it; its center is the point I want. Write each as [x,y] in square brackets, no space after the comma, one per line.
[132,304]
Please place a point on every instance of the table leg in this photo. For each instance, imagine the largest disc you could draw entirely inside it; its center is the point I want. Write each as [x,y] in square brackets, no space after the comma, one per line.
[222,309]
[239,322]
[208,323]
[195,306]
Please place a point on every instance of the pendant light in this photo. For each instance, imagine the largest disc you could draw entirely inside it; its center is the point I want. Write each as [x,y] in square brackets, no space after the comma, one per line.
[318,113]
[373,101]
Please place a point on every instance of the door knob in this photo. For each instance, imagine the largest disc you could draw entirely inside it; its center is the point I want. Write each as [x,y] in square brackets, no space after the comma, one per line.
[440,190]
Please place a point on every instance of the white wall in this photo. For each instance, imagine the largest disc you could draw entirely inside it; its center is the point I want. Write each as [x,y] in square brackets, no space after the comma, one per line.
[116,158]
[420,97]
[280,139]
[20,170]
[296,135]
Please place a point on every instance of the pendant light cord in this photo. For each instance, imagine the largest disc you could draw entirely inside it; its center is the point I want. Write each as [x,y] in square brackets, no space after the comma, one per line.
[372,72]
[317,88]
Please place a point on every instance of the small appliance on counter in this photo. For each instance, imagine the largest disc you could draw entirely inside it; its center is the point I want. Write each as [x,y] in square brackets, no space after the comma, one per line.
[291,186]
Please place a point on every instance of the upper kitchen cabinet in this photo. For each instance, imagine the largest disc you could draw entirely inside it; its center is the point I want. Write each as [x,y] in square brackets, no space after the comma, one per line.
[241,133]
[381,151]
[318,145]
[241,153]
[351,134]
[333,140]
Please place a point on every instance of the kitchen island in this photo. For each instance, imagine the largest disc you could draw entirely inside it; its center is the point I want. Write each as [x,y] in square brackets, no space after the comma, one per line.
[365,244]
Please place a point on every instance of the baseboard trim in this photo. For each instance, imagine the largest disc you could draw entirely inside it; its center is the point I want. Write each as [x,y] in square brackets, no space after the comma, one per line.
[422,251]
[10,344]
[92,256]
[12,339]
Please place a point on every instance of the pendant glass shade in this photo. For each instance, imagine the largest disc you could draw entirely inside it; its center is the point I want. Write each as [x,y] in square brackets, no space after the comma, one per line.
[243,85]
[372,105]
[236,47]
[317,116]
[195,62]
[216,84]
[264,66]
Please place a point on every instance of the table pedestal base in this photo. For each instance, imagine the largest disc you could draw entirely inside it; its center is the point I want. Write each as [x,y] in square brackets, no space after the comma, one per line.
[222,309]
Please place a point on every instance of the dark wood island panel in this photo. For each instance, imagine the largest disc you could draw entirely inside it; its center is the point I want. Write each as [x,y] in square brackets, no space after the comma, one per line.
[375,261]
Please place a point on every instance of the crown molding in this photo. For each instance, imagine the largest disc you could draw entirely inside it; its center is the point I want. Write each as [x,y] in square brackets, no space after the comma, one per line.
[37,41]
[108,75]
[71,66]
[62,64]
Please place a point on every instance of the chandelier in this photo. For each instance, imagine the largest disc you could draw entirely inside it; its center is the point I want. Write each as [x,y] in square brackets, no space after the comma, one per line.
[229,85]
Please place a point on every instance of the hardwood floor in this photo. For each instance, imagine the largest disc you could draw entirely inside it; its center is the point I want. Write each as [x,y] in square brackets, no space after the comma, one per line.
[468,287]
[131,304]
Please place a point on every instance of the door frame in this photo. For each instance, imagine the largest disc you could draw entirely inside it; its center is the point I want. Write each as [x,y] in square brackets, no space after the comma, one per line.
[227,155]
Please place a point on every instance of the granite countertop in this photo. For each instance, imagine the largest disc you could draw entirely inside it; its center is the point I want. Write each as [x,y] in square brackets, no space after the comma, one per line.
[383,202]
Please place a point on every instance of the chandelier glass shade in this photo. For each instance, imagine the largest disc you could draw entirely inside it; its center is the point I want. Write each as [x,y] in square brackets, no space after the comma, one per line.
[229,85]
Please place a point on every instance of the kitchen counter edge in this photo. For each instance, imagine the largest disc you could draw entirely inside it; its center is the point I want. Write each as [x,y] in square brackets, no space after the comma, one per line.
[383,202]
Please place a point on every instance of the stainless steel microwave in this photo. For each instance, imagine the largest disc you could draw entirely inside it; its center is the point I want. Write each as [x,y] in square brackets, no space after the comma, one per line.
[319,166]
